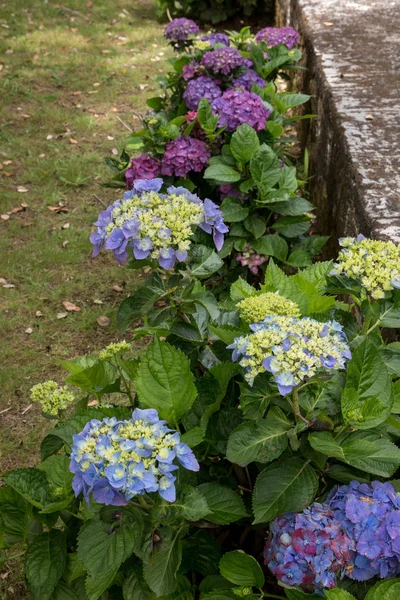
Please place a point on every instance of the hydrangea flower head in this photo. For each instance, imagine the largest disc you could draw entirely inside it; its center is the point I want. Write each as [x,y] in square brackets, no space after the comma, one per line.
[249,258]
[202,87]
[255,308]
[310,549]
[291,349]
[192,69]
[246,80]
[216,38]
[51,397]
[274,36]
[157,226]
[370,515]
[183,155]
[142,167]
[373,263]
[235,107]
[224,61]
[113,350]
[179,30]
[117,460]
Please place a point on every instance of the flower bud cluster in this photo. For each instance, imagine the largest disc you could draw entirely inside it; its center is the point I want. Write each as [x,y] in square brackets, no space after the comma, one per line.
[291,349]
[250,259]
[310,549]
[156,226]
[52,397]
[373,263]
[113,350]
[256,308]
[118,460]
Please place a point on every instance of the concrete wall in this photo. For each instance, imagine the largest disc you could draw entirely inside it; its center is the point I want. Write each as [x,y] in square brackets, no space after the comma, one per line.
[352,55]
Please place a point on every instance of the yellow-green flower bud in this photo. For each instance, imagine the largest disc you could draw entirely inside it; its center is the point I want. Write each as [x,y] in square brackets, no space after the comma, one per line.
[255,308]
[51,397]
[113,350]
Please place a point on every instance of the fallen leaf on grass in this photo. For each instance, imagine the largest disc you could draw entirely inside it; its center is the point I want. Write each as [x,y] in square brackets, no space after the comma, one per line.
[96,301]
[115,152]
[2,281]
[22,189]
[103,321]
[8,162]
[29,330]
[73,141]
[24,204]
[93,403]
[17,209]
[117,288]
[58,209]
[39,313]
[143,86]
[370,117]
[28,223]
[49,137]
[61,315]
[327,24]
[8,286]
[65,226]
[70,306]
[65,243]
[5,217]
[110,138]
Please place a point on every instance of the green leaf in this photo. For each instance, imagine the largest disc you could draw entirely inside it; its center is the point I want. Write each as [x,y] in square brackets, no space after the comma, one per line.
[135,306]
[242,569]
[183,590]
[265,168]
[292,594]
[57,471]
[222,595]
[391,357]
[14,518]
[225,506]
[30,483]
[227,333]
[95,378]
[201,553]
[244,143]
[367,398]
[290,100]
[222,374]
[50,445]
[299,258]
[193,504]
[165,382]
[292,226]
[286,486]
[294,206]
[222,174]
[256,441]
[64,591]
[160,571]
[390,316]
[134,586]
[45,562]
[363,450]
[255,225]
[194,437]
[204,261]
[385,590]
[241,290]
[233,210]
[274,128]
[337,594]
[271,245]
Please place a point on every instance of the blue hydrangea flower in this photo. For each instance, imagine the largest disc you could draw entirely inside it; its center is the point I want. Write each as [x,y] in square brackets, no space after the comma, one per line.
[291,349]
[216,38]
[370,515]
[274,36]
[248,79]
[310,549]
[117,460]
[202,87]
[156,226]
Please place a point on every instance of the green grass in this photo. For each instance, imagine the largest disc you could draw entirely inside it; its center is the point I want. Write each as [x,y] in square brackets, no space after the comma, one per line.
[66,71]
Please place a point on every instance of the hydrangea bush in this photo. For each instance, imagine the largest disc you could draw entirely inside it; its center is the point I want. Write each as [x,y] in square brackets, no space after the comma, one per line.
[260,406]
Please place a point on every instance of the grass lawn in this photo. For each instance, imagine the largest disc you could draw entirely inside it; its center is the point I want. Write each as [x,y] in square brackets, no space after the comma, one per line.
[67,72]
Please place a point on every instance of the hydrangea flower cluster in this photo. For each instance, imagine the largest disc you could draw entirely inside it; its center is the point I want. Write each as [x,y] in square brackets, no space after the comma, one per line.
[255,308]
[156,226]
[370,515]
[291,349]
[179,30]
[117,460]
[373,263]
[235,107]
[191,70]
[216,38]
[310,549]
[142,167]
[183,155]
[224,61]
[113,350]
[202,87]
[248,79]
[251,259]
[273,36]
[51,397]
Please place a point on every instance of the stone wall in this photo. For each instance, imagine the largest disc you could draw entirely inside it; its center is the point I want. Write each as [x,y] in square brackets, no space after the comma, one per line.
[352,56]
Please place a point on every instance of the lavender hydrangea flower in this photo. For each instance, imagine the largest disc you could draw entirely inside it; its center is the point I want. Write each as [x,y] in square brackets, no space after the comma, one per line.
[224,61]
[179,30]
[142,167]
[248,79]
[156,226]
[216,38]
[310,549]
[273,36]
[183,155]
[202,87]
[118,460]
[192,69]
[250,259]
[235,107]
[370,515]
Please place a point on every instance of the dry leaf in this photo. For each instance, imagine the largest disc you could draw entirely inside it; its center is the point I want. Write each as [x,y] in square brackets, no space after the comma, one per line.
[70,306]
[73,141]
[39,313]
[28,223]
[110,138]
[143,86]
[65,243]
[97,84]
[117,288]
[65,226]
[370,117]
[22,189]
[103,321]
[96,301]
[3,281]
[24,204]
[61,315]
[58,209]
[5,217]
[42,155]
[327,24]
[10,51]
[93,403]
[49,137]
[1,166]
[8,286]
[114,151]
[26,116]
[29,330]
[17,209]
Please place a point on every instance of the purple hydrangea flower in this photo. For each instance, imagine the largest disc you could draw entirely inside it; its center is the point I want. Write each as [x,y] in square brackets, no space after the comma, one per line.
[142,167]
[235,107]
[202,87]
[107,458]
[273,36]
[183,155]
[191,70]
[250,259]
[179,30]
[216,38]
[224,61]
[310,549]
[248,79]
[370,515]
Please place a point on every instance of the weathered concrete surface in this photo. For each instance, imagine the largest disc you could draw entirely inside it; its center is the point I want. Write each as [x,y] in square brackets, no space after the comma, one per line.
[352,55]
